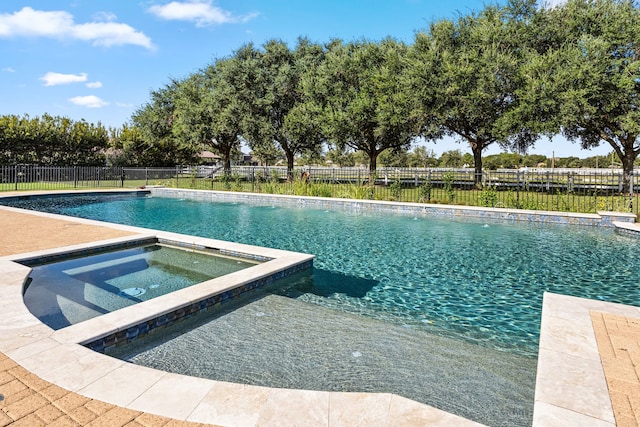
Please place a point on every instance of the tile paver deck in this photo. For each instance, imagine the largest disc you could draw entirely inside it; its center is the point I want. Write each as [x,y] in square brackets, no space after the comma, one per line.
[28,233]
[29,400]
[619,344]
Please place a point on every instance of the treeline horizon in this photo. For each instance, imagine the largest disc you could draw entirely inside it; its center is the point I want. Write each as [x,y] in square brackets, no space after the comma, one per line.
[506,75]
[79,143]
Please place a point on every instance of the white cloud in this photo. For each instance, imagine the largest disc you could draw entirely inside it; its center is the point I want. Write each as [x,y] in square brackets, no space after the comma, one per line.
[60,25]
[110,34]
[124,105]
[8,70]
[94,85]
[202,12]
[105,17]
[53,79]
[90,101]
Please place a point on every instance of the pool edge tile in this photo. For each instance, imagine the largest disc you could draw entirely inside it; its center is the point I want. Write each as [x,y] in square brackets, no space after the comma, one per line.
[173,395]
[231,404]
[360,409]
[118,389]
[548,415]
[291,407]
[570,375]
[405,412]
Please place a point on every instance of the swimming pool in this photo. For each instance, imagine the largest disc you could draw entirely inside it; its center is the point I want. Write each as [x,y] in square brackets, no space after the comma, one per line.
[71,289]
[465,280]
[480,281]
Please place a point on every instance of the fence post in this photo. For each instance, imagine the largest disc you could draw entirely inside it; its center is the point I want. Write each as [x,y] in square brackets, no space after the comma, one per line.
[620,180]
[177,183]
[518,189]
[75,177]
[631,191]
[146,176]
[548,181]
[570,182]
[253,179]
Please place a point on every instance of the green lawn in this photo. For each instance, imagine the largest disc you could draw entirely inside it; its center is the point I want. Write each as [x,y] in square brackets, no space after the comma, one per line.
[442,194]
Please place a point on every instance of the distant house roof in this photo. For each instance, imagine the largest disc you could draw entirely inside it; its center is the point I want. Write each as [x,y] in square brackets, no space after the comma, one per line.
[208,155]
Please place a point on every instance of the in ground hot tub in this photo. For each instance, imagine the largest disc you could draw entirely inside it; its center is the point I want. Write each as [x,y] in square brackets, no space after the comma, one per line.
[76,287]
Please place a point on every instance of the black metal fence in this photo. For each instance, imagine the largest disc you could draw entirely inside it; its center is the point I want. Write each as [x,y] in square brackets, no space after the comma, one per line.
[573,190]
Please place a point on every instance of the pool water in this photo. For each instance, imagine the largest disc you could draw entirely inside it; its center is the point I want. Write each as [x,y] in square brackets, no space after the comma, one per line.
[392,284]
[276,341]
[75,289]
[481,282]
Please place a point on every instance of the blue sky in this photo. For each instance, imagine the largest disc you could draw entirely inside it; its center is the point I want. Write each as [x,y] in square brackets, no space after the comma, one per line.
[99,59]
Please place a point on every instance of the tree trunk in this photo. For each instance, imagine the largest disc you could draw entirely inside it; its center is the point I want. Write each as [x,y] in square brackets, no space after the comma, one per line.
[627,160]
[373,163]
[476,149]
[290,157]
[226,157]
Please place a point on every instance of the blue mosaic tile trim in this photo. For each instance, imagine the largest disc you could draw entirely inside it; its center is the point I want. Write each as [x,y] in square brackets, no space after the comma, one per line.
[136,193]
[245,255]
[46,259]
[235,254]
[608,218]
[415,209]
[226,252]
[626,231]
[104,345]
[186,245]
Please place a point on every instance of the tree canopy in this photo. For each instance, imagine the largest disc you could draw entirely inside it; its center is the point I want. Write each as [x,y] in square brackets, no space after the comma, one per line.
[506,75]
[361,88]
[594,77]
[281,113]
[49,140]
[466,76]
[159,145]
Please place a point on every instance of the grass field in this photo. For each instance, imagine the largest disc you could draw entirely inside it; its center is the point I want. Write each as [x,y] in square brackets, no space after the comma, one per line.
[443,192]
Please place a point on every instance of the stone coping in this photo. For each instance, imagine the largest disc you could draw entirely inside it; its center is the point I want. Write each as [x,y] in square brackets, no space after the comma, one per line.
[571,388]
[626,227]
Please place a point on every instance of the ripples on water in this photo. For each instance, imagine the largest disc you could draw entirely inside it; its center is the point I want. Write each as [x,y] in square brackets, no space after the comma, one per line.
[478,282]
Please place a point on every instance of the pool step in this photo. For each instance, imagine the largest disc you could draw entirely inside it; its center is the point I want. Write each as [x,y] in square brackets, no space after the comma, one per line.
[279,342]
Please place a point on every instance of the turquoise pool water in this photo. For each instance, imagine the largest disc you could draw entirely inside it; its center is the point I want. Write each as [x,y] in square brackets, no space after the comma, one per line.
[73,289]
[482,282]
[446,312]
[275,341]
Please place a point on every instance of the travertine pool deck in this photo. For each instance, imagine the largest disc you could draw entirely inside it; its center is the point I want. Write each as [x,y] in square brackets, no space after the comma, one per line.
[588,367]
